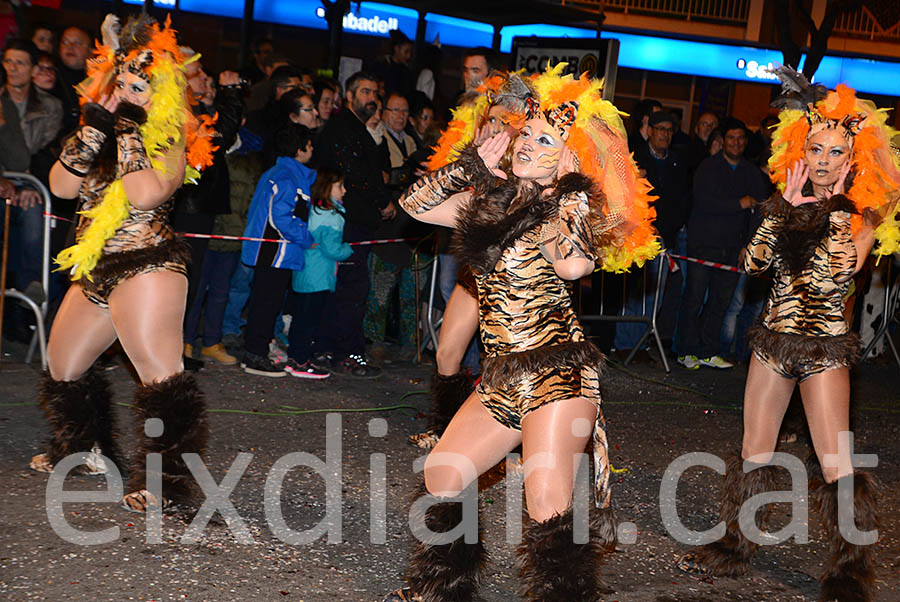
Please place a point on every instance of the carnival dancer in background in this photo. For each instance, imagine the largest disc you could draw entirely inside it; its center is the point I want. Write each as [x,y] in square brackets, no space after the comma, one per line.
[837,185]
[137,143]
[479,117]
[525,233]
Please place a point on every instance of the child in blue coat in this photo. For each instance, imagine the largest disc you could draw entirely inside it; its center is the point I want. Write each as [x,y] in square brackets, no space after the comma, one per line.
[274,216]
[314,284]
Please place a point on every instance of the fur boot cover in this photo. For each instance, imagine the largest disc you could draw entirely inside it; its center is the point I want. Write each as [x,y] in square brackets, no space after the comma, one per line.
[553,567]
[447,394]
[850,569]
[80,415]
[731,555]
[445,572]
[178,402]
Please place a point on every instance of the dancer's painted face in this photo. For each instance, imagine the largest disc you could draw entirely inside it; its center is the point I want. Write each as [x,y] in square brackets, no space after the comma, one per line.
[536,151]
[133,89]
[496,120]
[826,153]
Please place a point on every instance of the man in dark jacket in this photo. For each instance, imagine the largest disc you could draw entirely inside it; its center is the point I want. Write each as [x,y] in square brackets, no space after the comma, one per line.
[30,120]
[196,206]
[346,146]
[726,186]
[666,171]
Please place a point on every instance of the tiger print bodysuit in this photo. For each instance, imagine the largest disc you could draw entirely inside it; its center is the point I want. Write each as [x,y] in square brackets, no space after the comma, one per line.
[811,252]
[535,350]
[144,242]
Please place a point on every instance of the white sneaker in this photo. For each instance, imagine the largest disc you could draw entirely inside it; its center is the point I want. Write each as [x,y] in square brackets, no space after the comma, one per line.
[689,361]
[716,361]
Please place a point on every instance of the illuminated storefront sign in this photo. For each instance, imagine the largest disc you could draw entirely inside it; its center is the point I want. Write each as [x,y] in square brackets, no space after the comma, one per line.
[741,63]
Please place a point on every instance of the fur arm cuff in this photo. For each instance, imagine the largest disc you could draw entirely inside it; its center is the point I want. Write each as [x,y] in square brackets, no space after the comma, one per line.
[80,150]
[434,188]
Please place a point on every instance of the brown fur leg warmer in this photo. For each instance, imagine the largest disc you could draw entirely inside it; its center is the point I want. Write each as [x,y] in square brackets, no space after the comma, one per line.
[731,555]
[445,572]
[553,567]
[447,395]
[850,569]
[178,402]
[80,414]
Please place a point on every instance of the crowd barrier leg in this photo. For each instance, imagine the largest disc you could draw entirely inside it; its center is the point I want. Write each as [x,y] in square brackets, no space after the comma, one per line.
[39,339]
[649,320]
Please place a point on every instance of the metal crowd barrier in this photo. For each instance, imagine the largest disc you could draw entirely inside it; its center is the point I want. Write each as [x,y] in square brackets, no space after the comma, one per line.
[433,325]
[39,339]
[649,319]
[891,290]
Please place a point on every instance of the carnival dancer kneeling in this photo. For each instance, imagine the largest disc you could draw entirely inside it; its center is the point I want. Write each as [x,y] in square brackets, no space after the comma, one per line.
[137,143]
[572,199]
[833,167]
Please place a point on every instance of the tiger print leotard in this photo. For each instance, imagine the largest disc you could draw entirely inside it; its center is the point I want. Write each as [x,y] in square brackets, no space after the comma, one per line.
[535,349]
[144,242]
[810,249]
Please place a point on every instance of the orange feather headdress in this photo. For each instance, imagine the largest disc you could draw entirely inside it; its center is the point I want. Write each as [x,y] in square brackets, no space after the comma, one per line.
[807,108]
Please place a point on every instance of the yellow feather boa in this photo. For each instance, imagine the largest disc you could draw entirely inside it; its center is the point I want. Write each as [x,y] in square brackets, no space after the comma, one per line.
[163,129]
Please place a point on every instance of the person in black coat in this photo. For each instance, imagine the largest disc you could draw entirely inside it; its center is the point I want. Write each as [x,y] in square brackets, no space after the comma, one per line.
[197,206]
[346,146]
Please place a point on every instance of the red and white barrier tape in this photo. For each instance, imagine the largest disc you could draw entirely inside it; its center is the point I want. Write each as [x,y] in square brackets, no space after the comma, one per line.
[710,264]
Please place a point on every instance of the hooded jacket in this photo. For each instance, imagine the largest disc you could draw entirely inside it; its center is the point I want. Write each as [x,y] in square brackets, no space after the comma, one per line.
[327,230]
[272,216]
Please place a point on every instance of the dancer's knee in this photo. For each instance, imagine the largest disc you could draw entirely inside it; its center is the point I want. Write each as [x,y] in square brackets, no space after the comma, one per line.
[546,501]
[444,481]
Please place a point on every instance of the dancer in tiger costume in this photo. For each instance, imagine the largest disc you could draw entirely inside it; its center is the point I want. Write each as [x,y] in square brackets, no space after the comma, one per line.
[479,117]
[832,165]
[571,199]
[137,143]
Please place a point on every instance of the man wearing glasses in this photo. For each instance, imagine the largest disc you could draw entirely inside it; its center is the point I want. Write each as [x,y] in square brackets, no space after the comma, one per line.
[75,47]
[667,172]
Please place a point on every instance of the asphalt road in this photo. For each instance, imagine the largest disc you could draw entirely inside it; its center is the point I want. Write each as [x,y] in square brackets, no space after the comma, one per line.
[653,418]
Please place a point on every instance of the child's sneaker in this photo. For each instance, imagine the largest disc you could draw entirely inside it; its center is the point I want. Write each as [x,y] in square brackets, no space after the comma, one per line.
[323,361]
[305,370]
[276,353]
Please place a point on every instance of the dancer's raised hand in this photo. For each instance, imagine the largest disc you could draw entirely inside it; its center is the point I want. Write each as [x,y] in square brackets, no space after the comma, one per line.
[492,150]
[793,189]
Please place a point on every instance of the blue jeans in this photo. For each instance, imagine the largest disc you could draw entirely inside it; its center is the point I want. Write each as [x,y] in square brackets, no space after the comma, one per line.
[26,255]
[213,288]
[238,294]
[446,282]
[746,305]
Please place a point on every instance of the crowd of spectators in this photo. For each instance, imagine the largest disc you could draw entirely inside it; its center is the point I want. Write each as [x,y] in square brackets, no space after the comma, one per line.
[281,127]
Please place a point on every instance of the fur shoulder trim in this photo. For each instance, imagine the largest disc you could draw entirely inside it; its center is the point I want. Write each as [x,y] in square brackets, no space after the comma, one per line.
[574,182]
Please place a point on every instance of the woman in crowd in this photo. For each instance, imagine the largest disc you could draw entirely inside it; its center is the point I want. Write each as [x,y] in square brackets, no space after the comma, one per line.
[137,143]
[832,165]
[525,233]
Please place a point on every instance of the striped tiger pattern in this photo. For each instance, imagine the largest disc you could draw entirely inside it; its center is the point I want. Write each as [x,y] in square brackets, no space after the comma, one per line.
[141,230]
[808,301]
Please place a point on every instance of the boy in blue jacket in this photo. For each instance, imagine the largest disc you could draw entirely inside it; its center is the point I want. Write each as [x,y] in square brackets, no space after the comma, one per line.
[272,216]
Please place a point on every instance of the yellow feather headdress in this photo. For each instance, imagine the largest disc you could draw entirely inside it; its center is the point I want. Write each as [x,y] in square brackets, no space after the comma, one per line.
[170,123]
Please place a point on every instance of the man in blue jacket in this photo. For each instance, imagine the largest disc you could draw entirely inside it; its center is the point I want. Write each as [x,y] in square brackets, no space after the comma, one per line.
[272,216]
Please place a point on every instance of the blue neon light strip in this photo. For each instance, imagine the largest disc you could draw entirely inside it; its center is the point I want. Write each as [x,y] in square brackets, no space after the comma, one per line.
[458,32]
[740,63]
